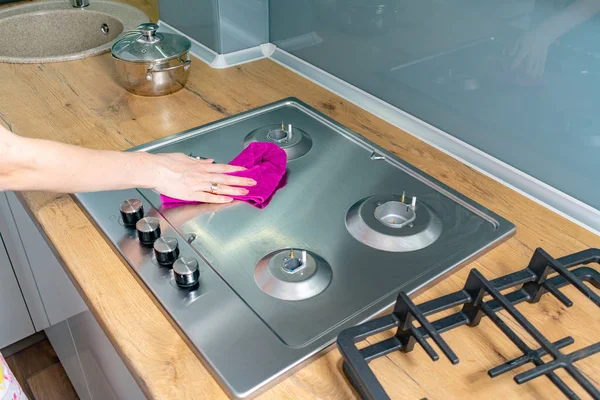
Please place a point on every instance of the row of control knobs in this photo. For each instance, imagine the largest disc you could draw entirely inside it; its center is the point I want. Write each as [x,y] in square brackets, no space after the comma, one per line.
[166,248]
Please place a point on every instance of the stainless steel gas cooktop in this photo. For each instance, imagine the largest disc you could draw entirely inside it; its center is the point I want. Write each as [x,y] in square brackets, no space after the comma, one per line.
[257,292]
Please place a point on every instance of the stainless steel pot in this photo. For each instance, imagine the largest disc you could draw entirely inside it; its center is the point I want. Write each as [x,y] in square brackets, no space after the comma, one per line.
[151,63]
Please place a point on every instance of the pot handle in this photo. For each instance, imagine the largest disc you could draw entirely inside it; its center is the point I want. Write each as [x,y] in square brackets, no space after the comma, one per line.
[184,63]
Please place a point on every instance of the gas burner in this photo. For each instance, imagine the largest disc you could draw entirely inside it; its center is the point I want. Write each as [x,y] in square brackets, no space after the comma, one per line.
[294,141]
[292,274]
[386,222]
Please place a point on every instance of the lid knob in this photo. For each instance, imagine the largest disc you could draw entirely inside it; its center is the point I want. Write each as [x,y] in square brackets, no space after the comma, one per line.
[149,31]
[146,44]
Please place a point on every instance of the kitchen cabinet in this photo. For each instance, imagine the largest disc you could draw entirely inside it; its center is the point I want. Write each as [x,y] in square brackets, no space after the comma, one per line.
[62,341]
[91,362]
[15,323]
[60,298]
[20,264]
[106,375]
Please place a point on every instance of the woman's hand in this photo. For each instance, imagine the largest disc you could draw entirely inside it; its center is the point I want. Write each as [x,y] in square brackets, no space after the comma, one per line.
[34,164]
[530,52]
[186,178]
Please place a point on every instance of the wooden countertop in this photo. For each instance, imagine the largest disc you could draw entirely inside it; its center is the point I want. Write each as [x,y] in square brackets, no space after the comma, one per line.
[81,103]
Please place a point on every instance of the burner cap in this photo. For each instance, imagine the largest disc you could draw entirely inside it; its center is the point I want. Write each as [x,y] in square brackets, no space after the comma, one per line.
[296,144]
[385,222]
[278,135]
[292,274]
[395,214]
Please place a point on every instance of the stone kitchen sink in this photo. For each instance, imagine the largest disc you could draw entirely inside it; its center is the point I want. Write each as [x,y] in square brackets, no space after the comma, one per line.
[54,30]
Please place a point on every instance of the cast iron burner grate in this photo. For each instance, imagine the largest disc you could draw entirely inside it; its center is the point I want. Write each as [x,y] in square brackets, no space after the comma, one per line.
[529,285]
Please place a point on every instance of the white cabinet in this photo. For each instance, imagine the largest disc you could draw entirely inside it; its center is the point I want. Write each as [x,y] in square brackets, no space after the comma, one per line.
[61,299]
[62,342]
[15,323]
[106,375]
[18,258]
[91,362]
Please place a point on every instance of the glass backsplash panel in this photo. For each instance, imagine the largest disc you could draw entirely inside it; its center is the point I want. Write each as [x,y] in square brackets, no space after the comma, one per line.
[197,19]
[518,79]
[224,26]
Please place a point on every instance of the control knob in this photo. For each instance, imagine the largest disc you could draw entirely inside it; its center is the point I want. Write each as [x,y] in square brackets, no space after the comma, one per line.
[132,211]
[186,271]
[166,250]
[148,230]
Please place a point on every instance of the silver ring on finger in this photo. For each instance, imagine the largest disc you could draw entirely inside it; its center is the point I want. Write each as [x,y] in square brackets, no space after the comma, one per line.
[214,187]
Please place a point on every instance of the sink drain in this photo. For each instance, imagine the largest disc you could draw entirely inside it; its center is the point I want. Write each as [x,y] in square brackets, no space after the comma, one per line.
[294,141]
[105,29]
[385,222]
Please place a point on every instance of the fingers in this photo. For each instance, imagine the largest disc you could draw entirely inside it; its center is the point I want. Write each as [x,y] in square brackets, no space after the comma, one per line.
[204,197]
[232,180]
[540,66]
[226,190]
[533,65]
[208,166]
[515,48]
[530,65]
[541,70]
[518,59]
[534,71]
[221,168]
[201,196]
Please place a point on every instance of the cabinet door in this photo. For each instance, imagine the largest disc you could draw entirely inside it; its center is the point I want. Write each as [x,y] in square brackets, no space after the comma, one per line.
[91,362]
[106,374]
[64,346]
[20,263]
[15,322]
[61,299]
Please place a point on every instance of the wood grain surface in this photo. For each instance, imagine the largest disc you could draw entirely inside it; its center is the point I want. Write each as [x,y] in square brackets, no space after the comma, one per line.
[81,103]
[40,373]
[52,384]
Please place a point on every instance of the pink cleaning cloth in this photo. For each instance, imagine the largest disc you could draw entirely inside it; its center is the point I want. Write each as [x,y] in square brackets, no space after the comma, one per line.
[265,163]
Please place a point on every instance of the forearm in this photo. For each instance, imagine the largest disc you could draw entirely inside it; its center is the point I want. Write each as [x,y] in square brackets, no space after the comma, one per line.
[33,164]
[575,14]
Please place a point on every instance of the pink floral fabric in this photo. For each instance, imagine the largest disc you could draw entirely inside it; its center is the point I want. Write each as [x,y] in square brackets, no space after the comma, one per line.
[9,387]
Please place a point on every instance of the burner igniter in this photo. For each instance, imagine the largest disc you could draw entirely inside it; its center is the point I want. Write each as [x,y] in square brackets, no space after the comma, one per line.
[293,140]
[284,275]
[292,264]
[397,214]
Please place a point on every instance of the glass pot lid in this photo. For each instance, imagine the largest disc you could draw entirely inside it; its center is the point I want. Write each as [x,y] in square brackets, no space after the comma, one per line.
[147,45]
